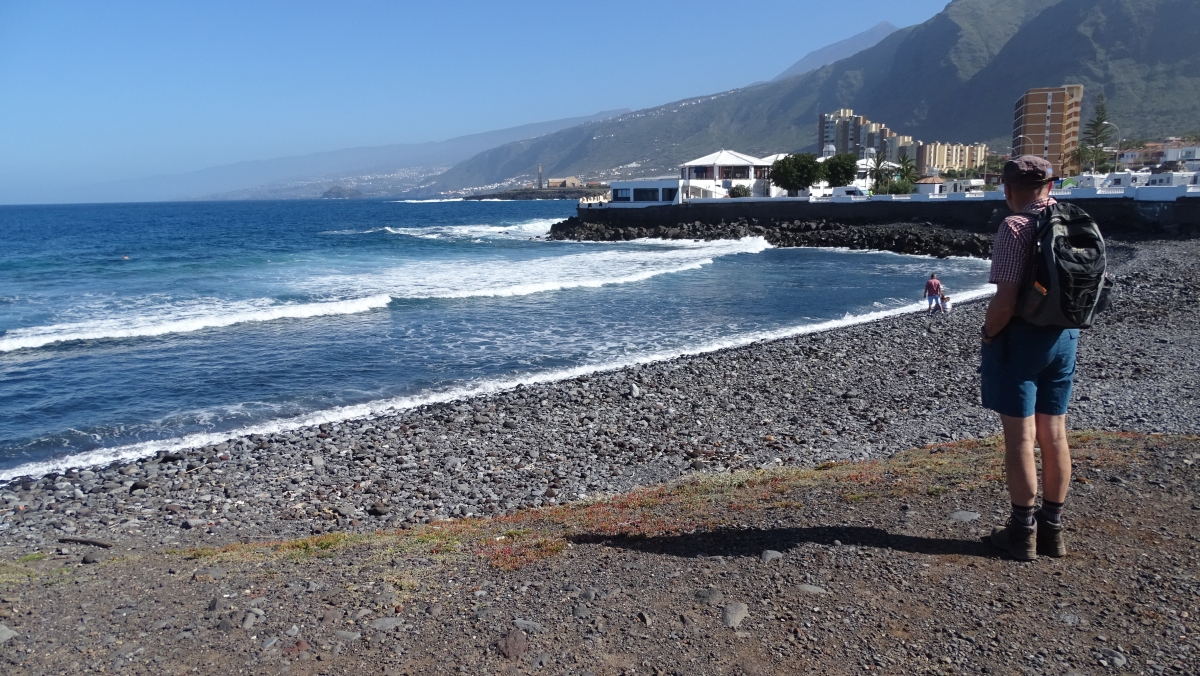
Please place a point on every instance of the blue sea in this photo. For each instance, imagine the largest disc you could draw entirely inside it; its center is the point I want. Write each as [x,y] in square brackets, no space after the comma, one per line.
[126,329]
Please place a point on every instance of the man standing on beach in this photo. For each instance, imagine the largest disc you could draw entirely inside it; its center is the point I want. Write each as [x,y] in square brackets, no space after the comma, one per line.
[1027,373]
[933,292]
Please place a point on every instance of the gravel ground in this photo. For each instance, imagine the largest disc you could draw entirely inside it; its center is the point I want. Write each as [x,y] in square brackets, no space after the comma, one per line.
[817,575]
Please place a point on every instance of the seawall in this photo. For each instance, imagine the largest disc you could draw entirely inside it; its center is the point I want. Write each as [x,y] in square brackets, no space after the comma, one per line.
[1125,218]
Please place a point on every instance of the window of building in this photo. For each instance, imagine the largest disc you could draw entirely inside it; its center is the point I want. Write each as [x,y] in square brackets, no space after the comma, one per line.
[735,172]
[668,194]
[703,173]
[645,194]
[620,195]
[762,172]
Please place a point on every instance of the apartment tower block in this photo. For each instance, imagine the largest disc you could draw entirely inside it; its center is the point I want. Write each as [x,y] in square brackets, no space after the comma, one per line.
[1046,124]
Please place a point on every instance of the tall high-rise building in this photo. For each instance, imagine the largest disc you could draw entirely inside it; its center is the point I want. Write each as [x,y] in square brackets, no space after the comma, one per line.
[846,132]
[1046,124]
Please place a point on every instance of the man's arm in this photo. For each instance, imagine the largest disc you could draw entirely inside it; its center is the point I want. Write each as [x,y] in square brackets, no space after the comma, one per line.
[1000,309]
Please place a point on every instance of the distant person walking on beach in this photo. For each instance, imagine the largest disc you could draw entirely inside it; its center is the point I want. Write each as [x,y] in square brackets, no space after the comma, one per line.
[933,292]
[1027,374]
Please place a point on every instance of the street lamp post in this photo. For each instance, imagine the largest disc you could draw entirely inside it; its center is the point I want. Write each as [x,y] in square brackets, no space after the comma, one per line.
[1019,136]
[1117,155]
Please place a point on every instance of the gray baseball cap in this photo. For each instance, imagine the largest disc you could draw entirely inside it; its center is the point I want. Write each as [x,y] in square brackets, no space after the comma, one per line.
[1027,170]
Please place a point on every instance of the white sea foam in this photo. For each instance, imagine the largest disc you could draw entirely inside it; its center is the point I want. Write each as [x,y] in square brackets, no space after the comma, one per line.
[183,319]
[451,199]
[534,228]
[419,279]
[472,278]
[388,406]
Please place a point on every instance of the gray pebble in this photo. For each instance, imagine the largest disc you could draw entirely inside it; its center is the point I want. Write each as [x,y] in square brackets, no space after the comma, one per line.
[1115,658]
[386,623]
[528,626]
[769,555]
[733,614]
[965,516]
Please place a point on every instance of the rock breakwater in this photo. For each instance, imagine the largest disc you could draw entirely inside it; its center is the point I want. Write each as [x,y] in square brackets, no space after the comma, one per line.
[905,238]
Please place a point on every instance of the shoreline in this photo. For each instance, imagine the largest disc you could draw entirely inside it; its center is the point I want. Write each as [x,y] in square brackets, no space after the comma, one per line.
[867,390]
[381,408]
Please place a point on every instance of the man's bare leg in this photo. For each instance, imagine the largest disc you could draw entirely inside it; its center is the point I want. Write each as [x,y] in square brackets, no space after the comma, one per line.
[1018,537]
[1056,479]
[1056,456]
[1019,464]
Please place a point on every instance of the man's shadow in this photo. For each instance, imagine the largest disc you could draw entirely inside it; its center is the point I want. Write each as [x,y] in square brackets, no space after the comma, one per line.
[752,541]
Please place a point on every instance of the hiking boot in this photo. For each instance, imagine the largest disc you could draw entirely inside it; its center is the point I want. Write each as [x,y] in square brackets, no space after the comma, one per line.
[1050,539]
[1018,541]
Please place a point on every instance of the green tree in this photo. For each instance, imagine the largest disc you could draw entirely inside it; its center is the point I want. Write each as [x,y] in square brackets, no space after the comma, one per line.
[841,170]
[881,175]
[1096,135]
[797,172]
[907,170]
[901,186]
[741,191]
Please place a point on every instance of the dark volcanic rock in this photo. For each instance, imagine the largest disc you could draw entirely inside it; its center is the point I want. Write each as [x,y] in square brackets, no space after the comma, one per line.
[906,238]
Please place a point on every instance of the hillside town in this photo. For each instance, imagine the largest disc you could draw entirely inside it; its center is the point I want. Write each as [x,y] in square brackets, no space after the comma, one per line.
[865,160]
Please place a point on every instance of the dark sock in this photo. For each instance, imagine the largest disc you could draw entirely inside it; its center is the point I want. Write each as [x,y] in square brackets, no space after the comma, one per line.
[1023,516]
[1051,512]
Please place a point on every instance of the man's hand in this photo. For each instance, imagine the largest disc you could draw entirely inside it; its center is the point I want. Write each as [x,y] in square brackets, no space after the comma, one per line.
[1000,310]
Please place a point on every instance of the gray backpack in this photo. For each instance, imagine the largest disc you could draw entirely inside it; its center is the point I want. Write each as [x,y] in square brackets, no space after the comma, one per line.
[1066,280]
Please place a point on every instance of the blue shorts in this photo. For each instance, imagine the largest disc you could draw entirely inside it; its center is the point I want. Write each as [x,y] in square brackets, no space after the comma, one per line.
[1029,369]
[933,299]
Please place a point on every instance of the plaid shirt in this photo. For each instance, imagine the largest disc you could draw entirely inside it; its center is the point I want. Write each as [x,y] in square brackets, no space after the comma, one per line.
[1014,244]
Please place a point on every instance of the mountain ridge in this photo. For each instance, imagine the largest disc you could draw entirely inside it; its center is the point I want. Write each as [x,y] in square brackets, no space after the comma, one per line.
[316,172]
[953,78]
[839,50]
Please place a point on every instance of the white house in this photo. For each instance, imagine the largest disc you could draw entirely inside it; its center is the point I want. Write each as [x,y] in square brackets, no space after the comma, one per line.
[930,185]
[708,177]
[719,172]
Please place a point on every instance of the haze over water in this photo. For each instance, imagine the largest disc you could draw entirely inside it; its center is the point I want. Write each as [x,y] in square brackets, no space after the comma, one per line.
[252,316]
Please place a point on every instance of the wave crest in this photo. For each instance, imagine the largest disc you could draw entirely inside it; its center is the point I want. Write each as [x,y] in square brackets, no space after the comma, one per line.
[183,320]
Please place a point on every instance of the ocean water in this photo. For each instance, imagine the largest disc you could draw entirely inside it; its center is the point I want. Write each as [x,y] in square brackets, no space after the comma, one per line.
[126,329]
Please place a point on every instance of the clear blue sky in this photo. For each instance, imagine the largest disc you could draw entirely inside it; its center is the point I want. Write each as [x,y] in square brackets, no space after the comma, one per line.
[96,91]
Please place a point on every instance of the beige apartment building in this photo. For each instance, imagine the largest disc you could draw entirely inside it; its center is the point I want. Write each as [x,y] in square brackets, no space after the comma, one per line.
[1046,124]
[935,158]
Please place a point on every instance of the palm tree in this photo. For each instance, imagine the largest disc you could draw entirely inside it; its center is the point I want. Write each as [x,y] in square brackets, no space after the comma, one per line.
[881,175]
[907,170]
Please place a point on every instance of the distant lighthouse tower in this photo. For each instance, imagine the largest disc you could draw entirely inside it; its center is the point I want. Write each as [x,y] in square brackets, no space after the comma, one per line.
[539,177]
